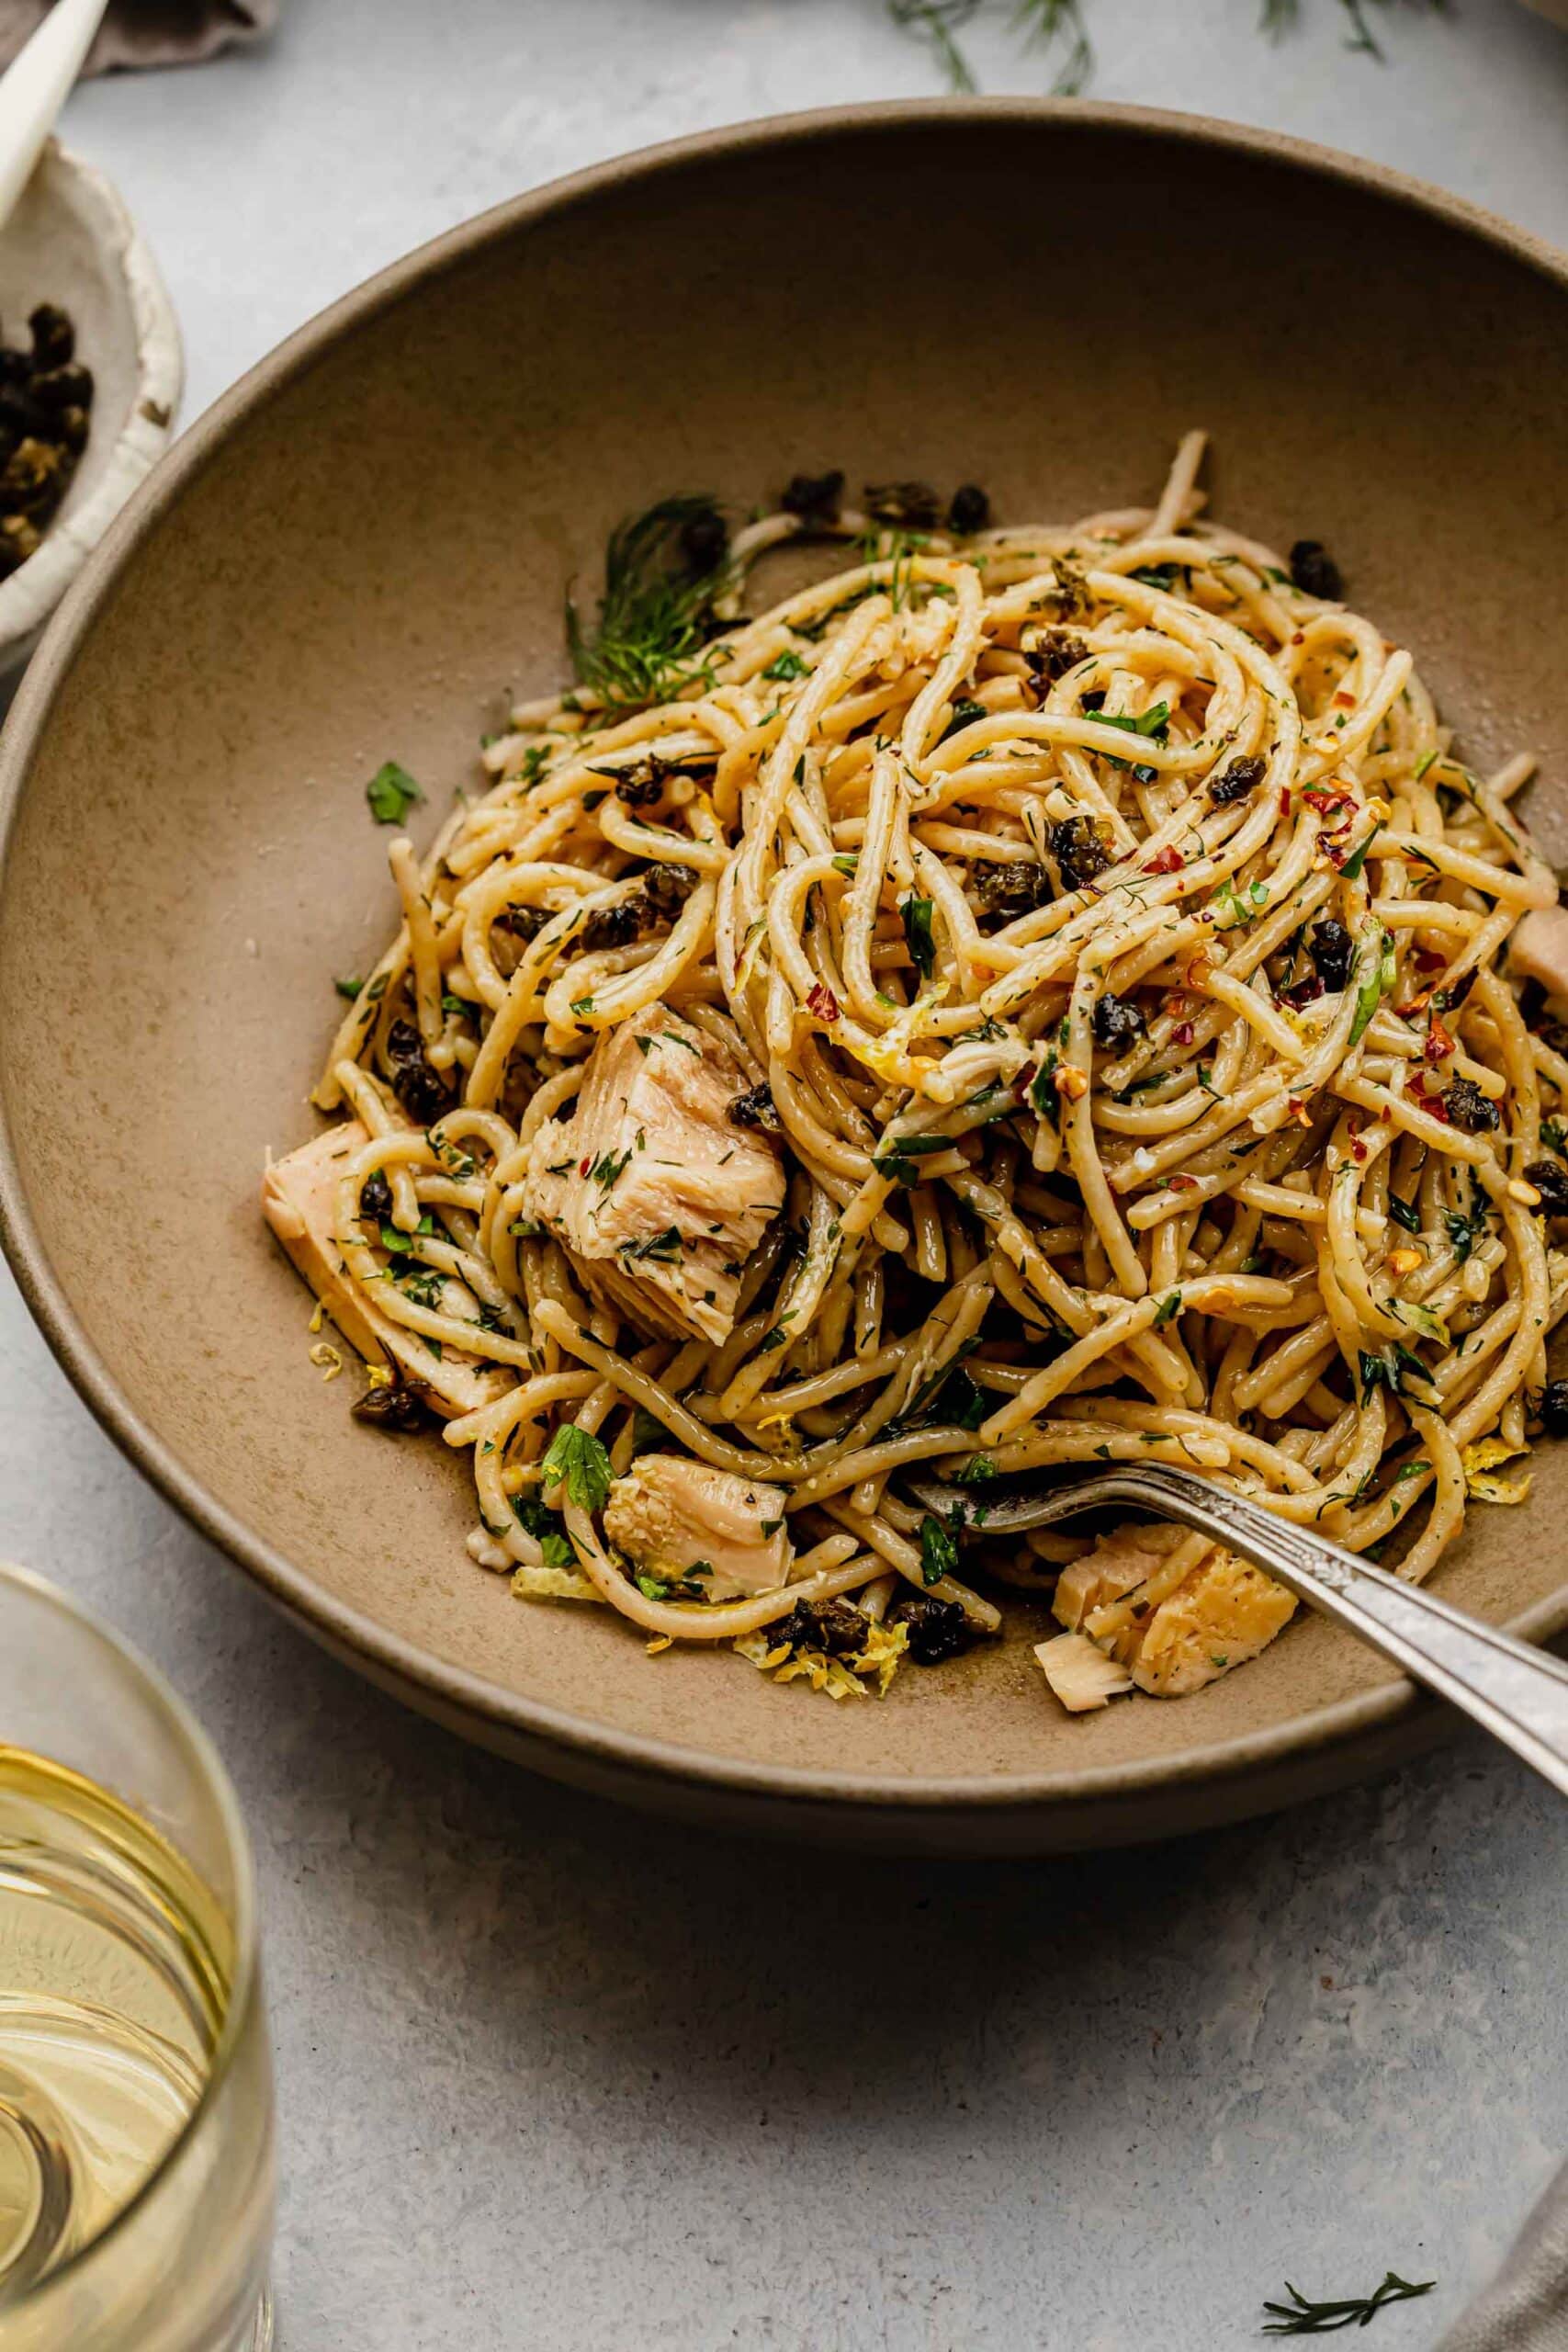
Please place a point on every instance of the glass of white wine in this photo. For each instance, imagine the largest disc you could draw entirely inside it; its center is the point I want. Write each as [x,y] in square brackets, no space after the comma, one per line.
[136,2140]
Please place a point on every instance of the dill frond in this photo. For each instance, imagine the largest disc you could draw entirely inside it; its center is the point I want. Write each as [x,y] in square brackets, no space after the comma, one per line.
[1062,25]
[939,22]
[656,613]
[1301,2316]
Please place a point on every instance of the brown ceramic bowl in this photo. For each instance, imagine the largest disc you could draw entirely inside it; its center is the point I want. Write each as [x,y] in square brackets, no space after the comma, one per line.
[367,542]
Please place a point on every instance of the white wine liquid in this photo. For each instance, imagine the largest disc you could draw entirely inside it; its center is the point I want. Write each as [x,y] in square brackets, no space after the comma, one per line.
[115,1966]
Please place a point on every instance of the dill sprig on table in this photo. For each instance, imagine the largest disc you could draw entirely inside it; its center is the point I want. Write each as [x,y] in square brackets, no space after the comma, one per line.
[1060,26]
[1057,24]
[662,571]
[1302,2317]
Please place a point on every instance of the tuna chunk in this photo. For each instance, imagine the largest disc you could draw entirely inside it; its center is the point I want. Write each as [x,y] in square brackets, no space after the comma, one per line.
[298,1197]
[1081,1676]
[1539,948]
[1128,1556]
[658,1196]
[1171,1637]
[670,1515]
[1220,1615]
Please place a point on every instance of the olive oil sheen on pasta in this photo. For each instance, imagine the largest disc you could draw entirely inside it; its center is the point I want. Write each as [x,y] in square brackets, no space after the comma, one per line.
[115,1968]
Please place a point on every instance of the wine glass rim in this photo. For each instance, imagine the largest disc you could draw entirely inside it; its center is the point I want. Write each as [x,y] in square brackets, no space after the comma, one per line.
[243,1987]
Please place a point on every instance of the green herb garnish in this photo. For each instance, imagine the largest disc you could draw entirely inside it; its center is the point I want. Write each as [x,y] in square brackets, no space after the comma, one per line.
[918,935]
[656,611]
[665,1245]
[787,665]
[939,1552]
[577,1460]
[400,1243]
[391,792]
[965,714]
[1380,981]
[1300,2316]
[975,1471]
[1351,869]
[545,1526]
[1152,723]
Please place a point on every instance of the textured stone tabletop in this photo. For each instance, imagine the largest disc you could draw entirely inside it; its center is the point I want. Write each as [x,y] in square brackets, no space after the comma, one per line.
[552,2077]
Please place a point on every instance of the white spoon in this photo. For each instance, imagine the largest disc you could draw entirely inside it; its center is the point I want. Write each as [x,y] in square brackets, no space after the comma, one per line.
[35,85]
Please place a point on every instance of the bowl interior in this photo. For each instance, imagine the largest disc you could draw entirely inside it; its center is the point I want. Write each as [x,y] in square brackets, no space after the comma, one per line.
[369,545]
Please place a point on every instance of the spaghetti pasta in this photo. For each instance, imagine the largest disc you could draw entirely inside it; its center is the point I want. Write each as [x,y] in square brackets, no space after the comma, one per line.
[1080,949]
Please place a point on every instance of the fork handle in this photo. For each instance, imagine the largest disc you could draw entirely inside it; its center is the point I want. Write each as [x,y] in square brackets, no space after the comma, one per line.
[1519,1695]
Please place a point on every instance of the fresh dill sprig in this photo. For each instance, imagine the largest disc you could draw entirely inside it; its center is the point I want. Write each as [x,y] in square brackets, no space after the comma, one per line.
[662,571]
[1045,23]
[1302,2317]
[1281,17]
[939,21]
[1061,24]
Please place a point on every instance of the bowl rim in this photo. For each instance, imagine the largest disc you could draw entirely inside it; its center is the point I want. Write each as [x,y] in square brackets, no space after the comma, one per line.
[415,1673]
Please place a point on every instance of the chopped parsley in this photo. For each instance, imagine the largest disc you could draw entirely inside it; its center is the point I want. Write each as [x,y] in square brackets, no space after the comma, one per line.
[917,936]
[391,792]
[939,1552]
[1381,978]
[400,1243]
[578,1461]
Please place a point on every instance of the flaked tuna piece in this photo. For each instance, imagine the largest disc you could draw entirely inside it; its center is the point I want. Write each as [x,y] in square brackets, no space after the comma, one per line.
[1539,948]
[658,1196]
[1172,1637]
[1081,1676]
[1222,1613]
[672,1517]
[1125,1558]
[299,1201]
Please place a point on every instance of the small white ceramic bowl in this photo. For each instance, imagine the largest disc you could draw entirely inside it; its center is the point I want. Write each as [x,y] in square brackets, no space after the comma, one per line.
[72,242]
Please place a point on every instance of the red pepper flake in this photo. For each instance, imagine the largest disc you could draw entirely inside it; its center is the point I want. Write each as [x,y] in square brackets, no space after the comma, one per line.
[583,1166]
[1169,861]
[1298,1110]
[1437,1108]
[1298,636]
[1429,959]
[1326,798]
[1415,1006]
[1358,1149]
[823,1002]
[1284,800]
[1438,1044]
[1174,1002]
[1303,993]
[1342,701]
[1182,1033]
[1182,1183]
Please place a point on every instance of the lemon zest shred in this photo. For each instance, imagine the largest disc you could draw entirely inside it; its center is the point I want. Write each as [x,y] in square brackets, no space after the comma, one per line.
[1478,1460]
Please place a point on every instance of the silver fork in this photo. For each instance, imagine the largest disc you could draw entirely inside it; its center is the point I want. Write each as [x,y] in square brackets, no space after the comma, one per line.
[1519,1695]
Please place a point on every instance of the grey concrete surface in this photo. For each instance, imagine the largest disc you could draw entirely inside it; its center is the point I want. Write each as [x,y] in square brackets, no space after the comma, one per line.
[554,2078]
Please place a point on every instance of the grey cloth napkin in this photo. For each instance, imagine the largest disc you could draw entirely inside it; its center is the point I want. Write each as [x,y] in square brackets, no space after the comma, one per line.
[1526,2307]
[149,32]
